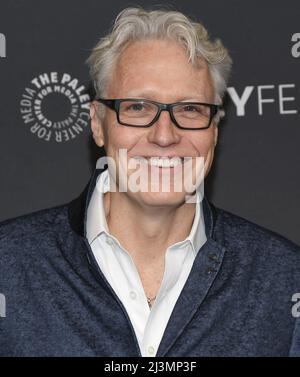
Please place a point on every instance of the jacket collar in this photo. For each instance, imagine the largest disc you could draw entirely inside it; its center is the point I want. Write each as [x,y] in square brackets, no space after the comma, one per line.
[77,209]
[204,271]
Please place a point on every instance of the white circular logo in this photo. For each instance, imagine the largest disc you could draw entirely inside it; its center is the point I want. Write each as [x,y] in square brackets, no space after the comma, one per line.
[55,107]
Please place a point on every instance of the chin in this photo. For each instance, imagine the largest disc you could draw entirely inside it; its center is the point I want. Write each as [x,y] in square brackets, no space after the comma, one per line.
[159,199]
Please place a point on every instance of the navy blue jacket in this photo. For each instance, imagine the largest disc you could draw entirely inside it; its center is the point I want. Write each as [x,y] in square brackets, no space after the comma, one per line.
[237,300]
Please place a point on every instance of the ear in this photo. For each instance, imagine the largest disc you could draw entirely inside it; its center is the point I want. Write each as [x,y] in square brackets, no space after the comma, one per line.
[216,132]
[96,125]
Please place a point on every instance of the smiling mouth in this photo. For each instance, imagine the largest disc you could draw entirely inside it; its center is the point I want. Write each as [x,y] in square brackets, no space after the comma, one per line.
[161,162]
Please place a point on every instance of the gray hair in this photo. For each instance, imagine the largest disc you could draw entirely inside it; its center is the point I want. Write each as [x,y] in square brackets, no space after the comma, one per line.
[134,24]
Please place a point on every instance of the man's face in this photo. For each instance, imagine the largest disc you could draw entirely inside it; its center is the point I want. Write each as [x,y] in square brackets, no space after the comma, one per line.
[157,70]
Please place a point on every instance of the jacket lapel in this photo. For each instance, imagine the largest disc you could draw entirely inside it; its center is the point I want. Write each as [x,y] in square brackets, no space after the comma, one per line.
[77,208]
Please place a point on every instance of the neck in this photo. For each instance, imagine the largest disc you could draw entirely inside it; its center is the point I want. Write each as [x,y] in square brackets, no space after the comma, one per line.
[147,231]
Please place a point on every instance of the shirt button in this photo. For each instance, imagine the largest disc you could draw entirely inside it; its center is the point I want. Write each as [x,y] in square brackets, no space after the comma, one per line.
[110,241]
[151,350]
[132,295]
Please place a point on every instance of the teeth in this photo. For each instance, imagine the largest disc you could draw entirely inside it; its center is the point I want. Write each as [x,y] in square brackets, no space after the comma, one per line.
[163,162]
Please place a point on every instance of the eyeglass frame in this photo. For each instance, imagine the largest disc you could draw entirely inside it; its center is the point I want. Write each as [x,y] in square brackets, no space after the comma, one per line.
[114,104]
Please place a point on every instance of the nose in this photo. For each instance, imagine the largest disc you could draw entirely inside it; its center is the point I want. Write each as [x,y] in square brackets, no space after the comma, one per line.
[163,132]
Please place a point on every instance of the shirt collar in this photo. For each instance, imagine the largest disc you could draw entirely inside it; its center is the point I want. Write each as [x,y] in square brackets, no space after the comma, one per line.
[96,220]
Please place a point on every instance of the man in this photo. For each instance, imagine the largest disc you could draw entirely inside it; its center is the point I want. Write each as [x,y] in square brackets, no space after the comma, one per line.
[122,271]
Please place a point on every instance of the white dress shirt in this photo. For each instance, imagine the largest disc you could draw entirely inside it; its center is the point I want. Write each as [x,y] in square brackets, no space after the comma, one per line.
[120,271]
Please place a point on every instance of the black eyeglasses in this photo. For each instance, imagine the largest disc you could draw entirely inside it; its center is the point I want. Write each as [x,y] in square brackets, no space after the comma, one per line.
[134,112]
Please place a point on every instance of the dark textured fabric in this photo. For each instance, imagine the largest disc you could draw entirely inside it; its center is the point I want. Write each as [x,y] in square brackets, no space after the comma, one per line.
[236,301]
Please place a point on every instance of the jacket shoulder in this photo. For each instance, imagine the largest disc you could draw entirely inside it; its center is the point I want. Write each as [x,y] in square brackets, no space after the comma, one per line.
[23,234]
[240,233]
[36,221]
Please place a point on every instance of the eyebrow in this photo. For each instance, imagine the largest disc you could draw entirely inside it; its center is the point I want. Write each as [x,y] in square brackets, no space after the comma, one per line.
[149,94]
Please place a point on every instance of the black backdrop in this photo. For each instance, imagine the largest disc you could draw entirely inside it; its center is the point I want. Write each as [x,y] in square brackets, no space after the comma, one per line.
[47,153]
